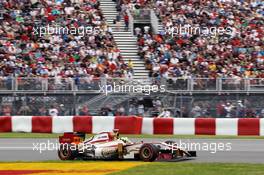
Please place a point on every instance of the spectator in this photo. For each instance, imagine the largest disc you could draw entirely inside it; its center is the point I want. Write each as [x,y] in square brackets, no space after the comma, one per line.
[137,31]
[141,110]
[232,54]
[165,113]
[262,113]
[106,111]
[240,109]
[84,111]
[196,111]
[130,66]
[220,110]
[26,53]
[62,110]
[118,21]
[120,111]
[42,111]
[6,110]
[53,111]
[184,112]
[157,104]
[24,109]
[146,29]
[132,110]
[228,109]
[126,19]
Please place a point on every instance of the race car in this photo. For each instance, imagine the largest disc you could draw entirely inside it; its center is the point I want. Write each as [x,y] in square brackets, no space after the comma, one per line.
[108,145]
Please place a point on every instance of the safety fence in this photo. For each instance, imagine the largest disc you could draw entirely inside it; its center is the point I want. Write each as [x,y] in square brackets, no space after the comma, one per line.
[133,125]
[183,106]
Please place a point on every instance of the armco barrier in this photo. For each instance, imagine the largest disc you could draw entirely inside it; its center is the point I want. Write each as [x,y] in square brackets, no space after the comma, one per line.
[41,124]
[133,125]
[5,124]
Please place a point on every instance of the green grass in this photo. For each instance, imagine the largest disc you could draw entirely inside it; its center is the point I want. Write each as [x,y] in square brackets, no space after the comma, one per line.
[44,135]
[174,168]
[28,135]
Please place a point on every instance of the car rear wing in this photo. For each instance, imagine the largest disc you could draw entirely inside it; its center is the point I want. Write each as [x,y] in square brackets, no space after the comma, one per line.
[72,137]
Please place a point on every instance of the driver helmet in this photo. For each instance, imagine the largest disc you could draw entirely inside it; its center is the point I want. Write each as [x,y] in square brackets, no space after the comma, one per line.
[116,133]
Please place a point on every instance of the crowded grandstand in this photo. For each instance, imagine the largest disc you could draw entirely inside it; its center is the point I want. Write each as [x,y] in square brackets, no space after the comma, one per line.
[104,86]
[55,55]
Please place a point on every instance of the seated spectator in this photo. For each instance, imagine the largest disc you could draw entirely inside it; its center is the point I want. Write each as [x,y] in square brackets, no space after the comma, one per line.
[165,114]
[6,110]
[84,111]
[44,39]
[24,110]
[53,111]
[235,53]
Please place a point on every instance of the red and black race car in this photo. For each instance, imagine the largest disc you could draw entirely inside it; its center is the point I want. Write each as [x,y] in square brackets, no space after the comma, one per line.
[108,145]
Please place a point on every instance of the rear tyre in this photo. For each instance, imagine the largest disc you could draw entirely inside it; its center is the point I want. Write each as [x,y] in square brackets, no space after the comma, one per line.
[148,152]
[66,153]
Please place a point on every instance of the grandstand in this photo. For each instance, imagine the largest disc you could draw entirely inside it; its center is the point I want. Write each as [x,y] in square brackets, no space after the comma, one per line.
[49,61]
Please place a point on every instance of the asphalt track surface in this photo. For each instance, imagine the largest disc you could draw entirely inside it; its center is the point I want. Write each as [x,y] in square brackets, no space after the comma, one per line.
[208,150]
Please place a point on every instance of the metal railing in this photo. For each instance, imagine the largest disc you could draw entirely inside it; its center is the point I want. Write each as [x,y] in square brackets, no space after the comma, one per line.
[173,85]
[196,105]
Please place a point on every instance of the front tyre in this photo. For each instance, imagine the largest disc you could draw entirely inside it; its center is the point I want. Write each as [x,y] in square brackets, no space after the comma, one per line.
[66,153]
[148,152]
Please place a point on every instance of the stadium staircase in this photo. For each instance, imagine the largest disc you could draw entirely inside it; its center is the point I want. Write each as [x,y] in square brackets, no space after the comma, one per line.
[111,99]
[125,40]
[160,28]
